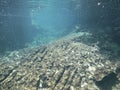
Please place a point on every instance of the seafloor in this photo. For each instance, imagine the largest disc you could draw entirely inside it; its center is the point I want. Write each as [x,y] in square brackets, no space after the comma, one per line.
[75,62]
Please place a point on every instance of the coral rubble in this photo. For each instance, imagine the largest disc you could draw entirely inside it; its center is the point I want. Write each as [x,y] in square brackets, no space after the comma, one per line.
[63,65]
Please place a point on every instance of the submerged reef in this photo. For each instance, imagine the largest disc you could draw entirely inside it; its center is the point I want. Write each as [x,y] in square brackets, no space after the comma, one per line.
[70,63]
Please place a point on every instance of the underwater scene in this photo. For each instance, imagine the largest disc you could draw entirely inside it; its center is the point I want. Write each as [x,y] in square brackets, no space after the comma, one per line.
[59,44]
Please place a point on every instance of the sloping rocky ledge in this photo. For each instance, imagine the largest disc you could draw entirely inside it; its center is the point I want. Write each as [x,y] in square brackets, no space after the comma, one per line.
[64,65]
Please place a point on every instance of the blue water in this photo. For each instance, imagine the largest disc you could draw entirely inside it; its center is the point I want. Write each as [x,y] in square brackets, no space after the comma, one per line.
[34,22]
[53,14]
[53,18]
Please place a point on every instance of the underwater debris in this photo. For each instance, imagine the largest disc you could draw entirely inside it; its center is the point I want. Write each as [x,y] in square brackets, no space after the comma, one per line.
[107,82]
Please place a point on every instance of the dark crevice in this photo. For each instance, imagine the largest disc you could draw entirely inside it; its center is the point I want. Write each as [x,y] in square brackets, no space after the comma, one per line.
[44,55]
[66,81]
[73,76]
[40,50]
[38,84]
[9,72]
[7,75]
[59,78]
[43,51]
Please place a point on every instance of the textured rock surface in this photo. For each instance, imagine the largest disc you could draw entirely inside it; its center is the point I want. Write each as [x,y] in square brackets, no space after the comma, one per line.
[66,64]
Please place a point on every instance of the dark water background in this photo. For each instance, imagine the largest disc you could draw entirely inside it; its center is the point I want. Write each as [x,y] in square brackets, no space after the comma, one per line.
[39,22]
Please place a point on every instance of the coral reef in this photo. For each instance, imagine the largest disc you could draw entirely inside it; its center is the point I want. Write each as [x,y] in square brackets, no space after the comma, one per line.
[66,64]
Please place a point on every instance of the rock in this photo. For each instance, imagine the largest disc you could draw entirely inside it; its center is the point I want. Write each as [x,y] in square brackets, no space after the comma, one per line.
[65,64]
[107,82]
